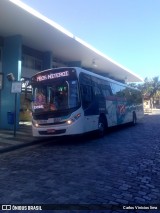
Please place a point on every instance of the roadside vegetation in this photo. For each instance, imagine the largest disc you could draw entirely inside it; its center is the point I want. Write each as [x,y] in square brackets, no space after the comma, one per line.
[151,90]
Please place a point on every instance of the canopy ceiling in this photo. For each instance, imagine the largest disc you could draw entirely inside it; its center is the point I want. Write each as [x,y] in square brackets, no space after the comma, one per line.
[45,35]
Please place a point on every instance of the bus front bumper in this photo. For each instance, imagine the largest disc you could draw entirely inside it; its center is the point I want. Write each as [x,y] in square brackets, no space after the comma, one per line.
[51,131]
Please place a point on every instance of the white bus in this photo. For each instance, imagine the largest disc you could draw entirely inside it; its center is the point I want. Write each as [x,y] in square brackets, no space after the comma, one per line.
[71,100]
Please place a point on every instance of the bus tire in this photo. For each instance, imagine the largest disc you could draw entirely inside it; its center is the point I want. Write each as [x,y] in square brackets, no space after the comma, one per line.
[101,127]
[134,119]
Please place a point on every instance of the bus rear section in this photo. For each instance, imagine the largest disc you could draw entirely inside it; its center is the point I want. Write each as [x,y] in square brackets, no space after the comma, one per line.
[107,103]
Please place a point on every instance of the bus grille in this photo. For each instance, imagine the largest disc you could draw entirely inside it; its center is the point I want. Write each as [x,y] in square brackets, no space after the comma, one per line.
[48,124]
[60,131]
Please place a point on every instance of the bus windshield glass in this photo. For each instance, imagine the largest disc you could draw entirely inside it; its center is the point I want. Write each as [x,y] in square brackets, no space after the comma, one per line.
[58,95]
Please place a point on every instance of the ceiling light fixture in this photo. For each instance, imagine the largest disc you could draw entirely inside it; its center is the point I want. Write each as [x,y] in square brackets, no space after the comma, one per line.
[94,63]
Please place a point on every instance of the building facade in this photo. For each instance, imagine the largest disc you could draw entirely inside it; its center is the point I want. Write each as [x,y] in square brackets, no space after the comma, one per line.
[23,62]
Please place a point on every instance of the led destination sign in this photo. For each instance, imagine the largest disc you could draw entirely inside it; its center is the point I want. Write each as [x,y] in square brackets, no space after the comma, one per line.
[52,76]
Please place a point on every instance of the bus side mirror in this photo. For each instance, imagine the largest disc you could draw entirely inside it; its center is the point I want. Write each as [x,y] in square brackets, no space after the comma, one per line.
[28,91]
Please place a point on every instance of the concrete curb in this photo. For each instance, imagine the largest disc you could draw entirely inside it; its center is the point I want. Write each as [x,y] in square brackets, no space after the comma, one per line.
[19,146]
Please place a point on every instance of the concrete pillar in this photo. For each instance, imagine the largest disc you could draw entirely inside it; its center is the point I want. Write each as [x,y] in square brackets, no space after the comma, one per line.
[11,63]
[47,60]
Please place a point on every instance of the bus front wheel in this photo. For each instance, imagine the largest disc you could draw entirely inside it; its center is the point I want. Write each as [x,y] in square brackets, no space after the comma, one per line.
[101,127]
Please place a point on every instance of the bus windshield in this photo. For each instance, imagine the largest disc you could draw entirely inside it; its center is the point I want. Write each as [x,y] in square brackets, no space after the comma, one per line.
[59,95]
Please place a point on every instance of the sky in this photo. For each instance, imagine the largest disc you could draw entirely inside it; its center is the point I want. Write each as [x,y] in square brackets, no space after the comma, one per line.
[128,31]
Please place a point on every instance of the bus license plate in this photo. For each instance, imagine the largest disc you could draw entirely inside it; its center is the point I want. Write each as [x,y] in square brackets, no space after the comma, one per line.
[51,130]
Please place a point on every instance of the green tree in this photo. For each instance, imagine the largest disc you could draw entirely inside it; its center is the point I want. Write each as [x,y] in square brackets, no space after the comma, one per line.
[150,89]
[151,86]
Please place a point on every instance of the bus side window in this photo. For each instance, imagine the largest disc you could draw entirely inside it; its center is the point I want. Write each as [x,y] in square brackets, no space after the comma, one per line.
[106,90]
[87,95]
[97,91]
[118,90]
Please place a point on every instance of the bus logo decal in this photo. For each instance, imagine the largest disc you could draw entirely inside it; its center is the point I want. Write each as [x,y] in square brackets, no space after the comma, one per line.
[121,109]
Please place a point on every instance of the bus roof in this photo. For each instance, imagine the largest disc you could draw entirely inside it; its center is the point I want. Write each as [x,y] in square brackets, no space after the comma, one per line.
[62,71]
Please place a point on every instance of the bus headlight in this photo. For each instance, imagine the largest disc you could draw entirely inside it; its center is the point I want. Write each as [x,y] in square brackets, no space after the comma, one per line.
[69,121]
[73,119]
[35,123]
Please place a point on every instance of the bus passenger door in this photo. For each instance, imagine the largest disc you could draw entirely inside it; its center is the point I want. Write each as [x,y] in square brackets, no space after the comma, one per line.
[90,107]
[111,106]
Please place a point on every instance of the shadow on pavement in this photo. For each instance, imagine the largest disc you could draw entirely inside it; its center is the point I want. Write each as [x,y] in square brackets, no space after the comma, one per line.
[83,139]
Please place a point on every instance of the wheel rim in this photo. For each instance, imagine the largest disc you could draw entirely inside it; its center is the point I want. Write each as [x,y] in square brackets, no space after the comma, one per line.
[101,128]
